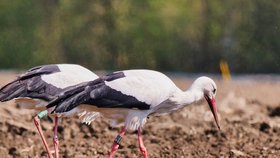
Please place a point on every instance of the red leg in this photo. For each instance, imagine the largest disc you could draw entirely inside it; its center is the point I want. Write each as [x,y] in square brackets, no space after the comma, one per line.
[55,138]
[141,144]
[116,143]
[36,121]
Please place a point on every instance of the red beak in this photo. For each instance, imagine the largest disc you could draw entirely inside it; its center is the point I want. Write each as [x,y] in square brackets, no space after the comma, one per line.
[213,107]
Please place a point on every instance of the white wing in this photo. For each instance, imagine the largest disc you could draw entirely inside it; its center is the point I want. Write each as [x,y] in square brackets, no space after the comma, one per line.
[69,75]
[148,86]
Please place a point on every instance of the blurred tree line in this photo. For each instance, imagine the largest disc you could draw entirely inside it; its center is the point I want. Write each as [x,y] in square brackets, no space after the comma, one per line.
[173,35]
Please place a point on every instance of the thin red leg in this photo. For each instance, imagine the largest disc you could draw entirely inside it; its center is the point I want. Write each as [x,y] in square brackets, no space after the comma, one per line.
[55,137]
[36,121]
[116,145]
[141,144]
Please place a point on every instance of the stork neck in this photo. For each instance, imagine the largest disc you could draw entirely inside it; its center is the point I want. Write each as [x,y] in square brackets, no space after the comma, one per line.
[188,97]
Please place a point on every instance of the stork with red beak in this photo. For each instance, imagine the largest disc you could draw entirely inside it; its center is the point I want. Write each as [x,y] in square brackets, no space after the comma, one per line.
[39,85]
[131,96]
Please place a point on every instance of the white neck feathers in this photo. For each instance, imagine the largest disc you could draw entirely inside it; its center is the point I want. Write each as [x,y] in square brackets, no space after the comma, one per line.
[190,96]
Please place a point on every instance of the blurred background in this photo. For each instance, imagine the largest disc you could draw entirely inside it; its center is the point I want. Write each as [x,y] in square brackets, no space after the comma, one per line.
[171,35]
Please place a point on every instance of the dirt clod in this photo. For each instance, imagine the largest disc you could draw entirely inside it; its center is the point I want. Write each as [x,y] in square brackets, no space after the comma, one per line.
[12,151]
[275,112]
[264,127]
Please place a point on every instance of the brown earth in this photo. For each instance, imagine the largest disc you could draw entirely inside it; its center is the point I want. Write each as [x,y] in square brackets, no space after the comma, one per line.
[249,116]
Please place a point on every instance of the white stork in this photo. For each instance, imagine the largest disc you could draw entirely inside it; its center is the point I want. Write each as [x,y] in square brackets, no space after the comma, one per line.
[36,87]
[130,96]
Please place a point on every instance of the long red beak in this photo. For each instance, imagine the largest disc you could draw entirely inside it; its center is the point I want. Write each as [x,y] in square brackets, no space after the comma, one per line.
[213,107]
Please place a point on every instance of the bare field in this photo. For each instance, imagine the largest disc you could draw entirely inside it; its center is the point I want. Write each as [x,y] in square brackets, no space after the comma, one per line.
[249,116]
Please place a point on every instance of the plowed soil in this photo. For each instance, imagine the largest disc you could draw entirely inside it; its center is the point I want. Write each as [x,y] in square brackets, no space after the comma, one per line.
[249,115]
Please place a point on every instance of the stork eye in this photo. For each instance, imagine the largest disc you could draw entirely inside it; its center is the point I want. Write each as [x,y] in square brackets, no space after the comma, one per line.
[214,91]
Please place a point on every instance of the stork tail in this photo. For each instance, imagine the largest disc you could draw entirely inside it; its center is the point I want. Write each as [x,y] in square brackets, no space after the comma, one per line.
[12,90]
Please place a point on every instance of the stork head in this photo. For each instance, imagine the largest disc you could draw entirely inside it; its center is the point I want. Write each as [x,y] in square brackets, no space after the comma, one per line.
[209,89]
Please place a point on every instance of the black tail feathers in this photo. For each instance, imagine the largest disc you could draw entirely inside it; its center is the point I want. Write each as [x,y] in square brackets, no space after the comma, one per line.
[12,90]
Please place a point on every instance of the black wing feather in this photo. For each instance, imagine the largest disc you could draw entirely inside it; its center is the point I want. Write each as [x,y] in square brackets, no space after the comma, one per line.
[30,84]
[67,93]
[98,94]
[38,71]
